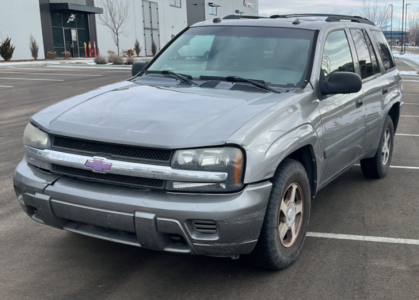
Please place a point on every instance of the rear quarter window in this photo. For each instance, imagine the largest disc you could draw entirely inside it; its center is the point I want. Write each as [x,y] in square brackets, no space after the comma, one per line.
[383,50]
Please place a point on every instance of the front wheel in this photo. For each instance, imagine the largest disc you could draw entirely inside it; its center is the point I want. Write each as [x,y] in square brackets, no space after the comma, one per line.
[286,219]
[377,166]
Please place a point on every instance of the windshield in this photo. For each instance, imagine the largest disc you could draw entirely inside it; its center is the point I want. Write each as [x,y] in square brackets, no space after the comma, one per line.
[277,56]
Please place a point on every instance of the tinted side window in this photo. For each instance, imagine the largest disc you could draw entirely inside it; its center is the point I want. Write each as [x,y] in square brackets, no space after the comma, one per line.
[337,54]
[383,50]
[373,56]
[367,67]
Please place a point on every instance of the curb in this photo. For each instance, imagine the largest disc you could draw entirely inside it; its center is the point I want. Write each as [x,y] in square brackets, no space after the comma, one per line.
[80,66]
[22,65]
[65,65]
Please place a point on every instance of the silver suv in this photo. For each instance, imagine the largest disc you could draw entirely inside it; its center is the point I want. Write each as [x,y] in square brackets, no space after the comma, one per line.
[218,150]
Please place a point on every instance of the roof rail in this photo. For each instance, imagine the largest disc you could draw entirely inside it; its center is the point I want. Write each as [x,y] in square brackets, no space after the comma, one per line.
[229,17]
[330,17]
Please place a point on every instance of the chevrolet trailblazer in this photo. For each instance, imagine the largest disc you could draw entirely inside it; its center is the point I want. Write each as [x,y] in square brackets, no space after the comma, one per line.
[218,154]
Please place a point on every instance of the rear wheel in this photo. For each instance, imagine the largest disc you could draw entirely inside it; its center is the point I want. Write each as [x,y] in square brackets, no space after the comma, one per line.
[377,166]
[286,219]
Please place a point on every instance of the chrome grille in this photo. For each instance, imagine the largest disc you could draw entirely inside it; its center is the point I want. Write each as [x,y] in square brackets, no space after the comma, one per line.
[118,151]
[109,178]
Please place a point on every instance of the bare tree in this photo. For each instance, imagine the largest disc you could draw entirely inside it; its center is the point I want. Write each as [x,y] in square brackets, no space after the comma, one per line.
[115,15]
[380,15]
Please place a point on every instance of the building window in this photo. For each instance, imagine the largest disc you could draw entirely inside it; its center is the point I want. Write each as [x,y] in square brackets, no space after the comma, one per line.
[175,3]
[213,10]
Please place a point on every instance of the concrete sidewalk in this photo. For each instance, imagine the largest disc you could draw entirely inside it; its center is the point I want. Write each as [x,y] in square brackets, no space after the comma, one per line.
[70,63]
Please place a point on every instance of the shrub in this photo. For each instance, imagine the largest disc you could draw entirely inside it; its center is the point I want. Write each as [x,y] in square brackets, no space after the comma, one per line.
[51,54]
[137,47]
[129,52]
[100,60]
[115,59]
[130,60]
[33,46]
[153,48]
[66,54]
[7,49]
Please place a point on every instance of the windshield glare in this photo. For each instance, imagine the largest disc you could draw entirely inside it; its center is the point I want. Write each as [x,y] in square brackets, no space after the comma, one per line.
[278,56]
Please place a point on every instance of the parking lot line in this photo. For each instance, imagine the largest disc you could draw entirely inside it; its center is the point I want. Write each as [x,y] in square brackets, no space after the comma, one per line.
[362,238]
[6,86]
[405,80]
[407,134]
[35,79]
[410,64]
[28,73]
[397,167]
[405,167]
[409,116]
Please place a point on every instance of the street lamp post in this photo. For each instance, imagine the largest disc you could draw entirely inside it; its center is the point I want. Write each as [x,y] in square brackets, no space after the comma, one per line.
[401,49]
[405,26]
[391,28]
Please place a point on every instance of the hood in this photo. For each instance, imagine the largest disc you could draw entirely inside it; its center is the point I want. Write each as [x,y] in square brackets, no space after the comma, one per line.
[148,116]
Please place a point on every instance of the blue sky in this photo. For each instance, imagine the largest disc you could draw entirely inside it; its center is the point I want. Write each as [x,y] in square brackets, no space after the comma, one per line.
[347,7]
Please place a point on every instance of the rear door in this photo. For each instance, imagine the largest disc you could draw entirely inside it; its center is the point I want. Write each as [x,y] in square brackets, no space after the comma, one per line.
[374,86]
[343,116]
[390,84]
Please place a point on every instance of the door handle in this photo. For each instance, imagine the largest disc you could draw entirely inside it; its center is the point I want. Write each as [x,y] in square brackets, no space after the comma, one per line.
[359,103]
[385,91]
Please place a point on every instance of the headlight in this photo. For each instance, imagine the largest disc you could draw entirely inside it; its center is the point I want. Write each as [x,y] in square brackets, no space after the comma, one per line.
[33,137]
[227,159]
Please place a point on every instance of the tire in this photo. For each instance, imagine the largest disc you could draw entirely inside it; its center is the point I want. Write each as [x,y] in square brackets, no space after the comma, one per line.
[377,167]
[272,250]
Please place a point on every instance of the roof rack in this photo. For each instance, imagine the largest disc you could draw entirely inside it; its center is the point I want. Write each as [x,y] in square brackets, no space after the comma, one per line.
[330,17]
[243,17]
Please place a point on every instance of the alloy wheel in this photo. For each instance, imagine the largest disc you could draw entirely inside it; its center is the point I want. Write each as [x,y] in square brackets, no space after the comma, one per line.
[385,151]
[290,215]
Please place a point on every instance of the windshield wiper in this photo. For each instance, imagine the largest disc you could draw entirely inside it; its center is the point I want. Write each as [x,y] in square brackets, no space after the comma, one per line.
[258,83]
[182,77]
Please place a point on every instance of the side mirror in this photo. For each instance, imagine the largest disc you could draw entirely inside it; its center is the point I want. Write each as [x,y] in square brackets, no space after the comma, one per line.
[137,67]
[341,83]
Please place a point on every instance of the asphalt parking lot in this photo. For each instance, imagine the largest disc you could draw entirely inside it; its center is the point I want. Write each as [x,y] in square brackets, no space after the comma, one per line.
[363,237]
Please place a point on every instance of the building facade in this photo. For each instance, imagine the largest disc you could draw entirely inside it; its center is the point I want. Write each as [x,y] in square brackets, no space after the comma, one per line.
[394,37]
[69,25]
[161,20]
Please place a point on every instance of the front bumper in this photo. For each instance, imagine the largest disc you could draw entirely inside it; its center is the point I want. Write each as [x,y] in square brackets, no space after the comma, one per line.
[155,220]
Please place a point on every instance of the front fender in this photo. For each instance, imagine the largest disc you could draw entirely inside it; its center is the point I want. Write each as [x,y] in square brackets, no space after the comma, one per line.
[261,165]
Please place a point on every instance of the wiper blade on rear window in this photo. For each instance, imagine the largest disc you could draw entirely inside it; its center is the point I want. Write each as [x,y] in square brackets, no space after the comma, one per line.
[258,83]
[182,77]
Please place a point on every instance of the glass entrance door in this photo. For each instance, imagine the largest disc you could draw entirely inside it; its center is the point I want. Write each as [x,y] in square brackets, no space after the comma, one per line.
[70,31]
[71,43]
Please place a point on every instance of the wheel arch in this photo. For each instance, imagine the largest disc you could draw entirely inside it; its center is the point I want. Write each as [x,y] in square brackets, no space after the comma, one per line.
[305,155]
[394,113]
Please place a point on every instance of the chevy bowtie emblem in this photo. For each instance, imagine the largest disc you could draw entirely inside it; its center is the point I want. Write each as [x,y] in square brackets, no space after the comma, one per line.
[98,165]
